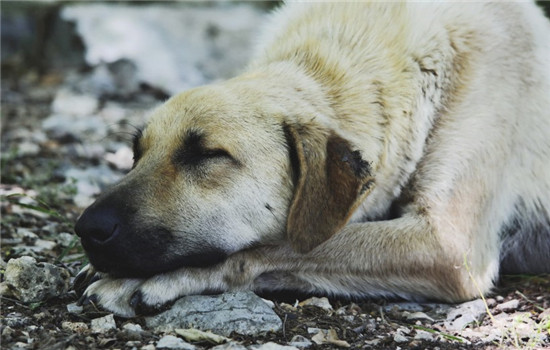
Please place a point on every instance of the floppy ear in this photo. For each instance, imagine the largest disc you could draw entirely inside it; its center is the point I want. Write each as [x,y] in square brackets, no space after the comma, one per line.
[331,181]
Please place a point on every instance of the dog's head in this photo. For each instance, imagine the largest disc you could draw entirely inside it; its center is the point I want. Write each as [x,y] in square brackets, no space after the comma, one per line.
[219,169]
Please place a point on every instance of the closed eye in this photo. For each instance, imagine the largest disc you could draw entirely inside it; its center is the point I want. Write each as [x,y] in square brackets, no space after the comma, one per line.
[193,153]
[193,157]
[136,146]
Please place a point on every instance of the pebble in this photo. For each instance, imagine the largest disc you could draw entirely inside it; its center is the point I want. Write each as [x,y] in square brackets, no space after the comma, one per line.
[400,338]
[30,281]
[65,239]
[423,335]
[77,327]
[241,312]
[102,324]
[172,342]
[74,308]
[322,303]
[131,331]
[300,341]
[508,306]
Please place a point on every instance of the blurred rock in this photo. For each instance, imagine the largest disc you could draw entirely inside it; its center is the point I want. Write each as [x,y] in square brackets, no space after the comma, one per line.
[241,312]
[169,46]
[71,103]
[122,159]
[30,281]
[90,182]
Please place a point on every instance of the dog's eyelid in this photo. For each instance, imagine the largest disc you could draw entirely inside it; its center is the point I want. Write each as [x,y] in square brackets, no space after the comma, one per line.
[196,157]
[136,146]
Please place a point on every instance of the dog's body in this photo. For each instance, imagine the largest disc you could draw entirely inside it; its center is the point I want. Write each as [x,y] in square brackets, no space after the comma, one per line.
[369,150]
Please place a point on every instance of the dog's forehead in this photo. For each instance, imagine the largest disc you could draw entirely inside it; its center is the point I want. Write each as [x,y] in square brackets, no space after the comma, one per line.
[217,116]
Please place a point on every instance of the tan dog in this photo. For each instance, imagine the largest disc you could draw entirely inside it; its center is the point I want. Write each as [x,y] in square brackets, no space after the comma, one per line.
[369,150]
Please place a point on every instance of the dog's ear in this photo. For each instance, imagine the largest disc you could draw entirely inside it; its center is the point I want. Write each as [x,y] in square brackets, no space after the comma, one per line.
[331,180]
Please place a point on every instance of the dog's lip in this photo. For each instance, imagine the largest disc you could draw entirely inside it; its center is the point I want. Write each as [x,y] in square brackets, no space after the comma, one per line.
[125,269]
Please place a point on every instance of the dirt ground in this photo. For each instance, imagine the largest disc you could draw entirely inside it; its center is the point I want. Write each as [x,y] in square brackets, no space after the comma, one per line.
[32,169]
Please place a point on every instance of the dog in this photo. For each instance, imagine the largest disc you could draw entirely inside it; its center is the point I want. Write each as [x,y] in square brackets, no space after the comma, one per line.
[368,150]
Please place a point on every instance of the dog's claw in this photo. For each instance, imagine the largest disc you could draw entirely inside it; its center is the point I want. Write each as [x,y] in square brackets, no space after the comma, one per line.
[88,300]
[142,308]
[84,278]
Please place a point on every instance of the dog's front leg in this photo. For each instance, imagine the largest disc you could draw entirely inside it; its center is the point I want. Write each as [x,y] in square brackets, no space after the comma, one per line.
[405,257]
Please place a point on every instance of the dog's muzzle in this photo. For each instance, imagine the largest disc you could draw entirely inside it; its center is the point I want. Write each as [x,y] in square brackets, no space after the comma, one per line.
[118,242]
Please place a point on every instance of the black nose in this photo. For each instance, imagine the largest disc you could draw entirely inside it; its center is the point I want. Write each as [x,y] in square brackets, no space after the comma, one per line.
[98,224]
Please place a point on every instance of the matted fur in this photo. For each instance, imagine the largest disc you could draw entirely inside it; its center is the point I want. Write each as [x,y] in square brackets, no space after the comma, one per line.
[370,149]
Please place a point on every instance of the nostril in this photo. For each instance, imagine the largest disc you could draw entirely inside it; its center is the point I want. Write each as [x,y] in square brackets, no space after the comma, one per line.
[102,235]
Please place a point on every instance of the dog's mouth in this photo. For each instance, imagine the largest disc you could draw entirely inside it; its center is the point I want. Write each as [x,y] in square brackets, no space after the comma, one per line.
[135,266]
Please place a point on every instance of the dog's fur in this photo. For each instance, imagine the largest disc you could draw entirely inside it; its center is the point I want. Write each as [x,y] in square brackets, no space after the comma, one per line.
[368,150]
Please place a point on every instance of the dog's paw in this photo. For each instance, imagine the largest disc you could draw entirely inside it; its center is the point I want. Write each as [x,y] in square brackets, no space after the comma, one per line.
[129,297]
[159,292]
[112,294]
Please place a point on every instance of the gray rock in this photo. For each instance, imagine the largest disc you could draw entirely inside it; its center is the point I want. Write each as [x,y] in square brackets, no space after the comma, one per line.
[102,324]
[241,312]
[30,281]
[508,306]
[464,314]
[172,342]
